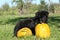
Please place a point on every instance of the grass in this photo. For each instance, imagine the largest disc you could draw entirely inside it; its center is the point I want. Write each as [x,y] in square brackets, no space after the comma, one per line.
[7,23]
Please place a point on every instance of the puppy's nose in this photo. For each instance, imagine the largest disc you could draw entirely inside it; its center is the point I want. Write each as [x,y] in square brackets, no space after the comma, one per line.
[41,21]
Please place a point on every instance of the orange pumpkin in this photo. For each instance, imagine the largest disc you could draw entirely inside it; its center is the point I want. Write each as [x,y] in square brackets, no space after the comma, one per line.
[24,32]
[42,30]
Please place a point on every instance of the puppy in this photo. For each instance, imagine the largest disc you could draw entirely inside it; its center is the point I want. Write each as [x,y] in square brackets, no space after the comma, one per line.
[40,17]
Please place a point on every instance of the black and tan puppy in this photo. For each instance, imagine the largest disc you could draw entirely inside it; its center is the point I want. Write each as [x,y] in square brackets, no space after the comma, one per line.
[40,17]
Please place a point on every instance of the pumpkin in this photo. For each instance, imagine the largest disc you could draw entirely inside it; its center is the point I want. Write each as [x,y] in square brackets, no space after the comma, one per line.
[42,30]
[24,32]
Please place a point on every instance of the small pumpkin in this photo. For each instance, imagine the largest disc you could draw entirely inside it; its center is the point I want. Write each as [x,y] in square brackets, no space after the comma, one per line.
[24,32]
[42,30]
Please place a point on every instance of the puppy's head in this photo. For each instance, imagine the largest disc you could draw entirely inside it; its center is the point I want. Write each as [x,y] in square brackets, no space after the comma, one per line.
[41,16]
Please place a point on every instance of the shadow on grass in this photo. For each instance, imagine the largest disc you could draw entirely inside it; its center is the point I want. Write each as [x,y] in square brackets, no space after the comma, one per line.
[13,21]
[54,21]
[51,20]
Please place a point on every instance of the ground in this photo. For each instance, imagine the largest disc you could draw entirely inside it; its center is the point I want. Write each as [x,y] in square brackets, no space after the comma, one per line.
[7,24]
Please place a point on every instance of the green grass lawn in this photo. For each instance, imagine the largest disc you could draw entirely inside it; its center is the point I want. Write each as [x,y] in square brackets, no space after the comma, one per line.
[7,23]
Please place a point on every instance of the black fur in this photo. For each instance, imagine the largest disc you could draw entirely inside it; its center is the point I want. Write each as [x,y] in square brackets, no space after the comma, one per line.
[40,17]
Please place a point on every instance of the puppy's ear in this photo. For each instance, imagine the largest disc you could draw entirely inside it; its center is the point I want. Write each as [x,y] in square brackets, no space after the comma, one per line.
[37,14]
